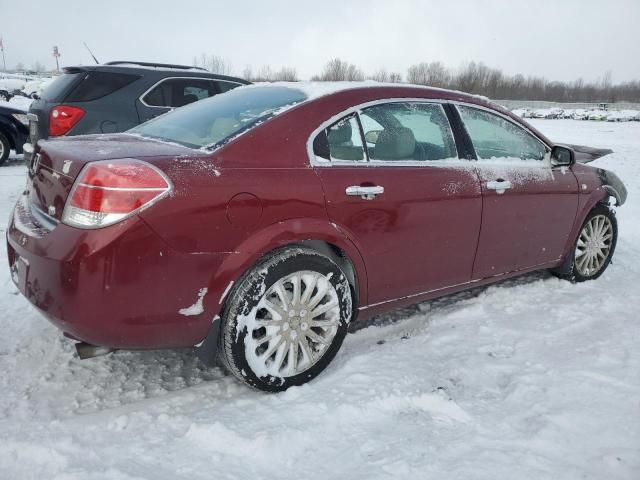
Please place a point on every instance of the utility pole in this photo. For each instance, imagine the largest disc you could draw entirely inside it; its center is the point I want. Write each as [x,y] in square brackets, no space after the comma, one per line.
[56,54]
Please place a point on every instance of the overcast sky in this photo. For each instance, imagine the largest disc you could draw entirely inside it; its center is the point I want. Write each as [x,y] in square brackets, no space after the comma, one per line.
[558,39]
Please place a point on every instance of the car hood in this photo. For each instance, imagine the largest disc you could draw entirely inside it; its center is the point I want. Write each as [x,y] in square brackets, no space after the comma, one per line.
[9,110]
[586,154]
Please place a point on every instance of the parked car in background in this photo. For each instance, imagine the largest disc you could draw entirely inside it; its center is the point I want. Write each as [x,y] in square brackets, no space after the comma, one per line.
[259,223]
[33,88]
[599,115]
[8,87]
[14,131]
[117,96]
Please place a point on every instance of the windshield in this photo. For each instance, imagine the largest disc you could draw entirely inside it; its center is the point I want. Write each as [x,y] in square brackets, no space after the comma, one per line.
[212,122]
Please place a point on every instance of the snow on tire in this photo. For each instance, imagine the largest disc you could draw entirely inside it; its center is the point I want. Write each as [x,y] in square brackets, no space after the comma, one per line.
[594,247]
[286,319]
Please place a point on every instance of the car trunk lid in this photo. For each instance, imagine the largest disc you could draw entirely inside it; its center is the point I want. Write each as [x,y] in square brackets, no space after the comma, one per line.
[57,163]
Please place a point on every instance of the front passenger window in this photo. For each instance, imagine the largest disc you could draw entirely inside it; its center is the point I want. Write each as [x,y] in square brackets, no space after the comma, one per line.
[496,137]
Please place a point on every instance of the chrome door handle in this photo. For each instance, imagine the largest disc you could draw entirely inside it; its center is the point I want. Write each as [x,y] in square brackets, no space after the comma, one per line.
[500,186]
[366,193]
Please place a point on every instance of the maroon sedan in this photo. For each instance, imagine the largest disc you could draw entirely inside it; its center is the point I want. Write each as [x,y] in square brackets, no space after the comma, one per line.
[257,224]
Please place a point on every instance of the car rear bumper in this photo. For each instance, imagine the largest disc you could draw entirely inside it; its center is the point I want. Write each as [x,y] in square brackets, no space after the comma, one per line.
[119,287]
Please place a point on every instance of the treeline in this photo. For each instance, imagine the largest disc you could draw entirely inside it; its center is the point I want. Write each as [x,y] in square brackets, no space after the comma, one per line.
[472,77]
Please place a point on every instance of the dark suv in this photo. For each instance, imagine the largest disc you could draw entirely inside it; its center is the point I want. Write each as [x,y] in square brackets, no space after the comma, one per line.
[13,131]
[116,96]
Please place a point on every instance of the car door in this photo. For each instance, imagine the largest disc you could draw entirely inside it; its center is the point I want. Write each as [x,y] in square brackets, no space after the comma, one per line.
[528,205]
[400,192]
[172,93]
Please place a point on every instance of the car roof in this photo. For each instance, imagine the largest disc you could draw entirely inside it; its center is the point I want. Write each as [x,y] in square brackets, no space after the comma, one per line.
[5,108]
[314,90]
[326,99]
[155,69]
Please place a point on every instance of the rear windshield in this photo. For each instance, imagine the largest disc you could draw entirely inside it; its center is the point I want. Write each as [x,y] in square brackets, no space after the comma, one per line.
[56,90]
[98,84]
[212,122]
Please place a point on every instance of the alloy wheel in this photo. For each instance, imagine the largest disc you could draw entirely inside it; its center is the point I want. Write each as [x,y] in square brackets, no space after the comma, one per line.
[293,325]
[594,245]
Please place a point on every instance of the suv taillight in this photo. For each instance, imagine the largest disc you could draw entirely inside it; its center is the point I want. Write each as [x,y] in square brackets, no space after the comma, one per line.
[109,191]
[63,118]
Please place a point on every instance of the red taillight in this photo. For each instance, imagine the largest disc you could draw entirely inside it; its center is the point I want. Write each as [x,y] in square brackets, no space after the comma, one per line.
[63,118]
[108,191]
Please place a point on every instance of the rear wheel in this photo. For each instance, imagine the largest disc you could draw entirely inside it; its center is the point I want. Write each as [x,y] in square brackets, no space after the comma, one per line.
[5,147]
[286,319]
[594,247]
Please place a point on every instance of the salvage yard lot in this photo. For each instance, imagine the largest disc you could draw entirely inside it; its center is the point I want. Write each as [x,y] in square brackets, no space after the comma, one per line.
[533,378]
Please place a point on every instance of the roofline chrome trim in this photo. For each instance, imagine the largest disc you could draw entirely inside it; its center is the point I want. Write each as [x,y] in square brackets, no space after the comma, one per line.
[141,97]
[319,162]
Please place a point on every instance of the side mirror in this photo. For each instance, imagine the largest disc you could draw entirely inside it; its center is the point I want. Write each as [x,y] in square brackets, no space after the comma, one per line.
[562,156]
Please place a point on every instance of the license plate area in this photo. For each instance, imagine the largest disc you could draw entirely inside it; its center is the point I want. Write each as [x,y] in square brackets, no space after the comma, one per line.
[20,272]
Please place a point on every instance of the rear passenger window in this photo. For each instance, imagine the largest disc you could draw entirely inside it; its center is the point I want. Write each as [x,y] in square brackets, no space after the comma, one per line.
[345,140]
[177,92]
[407,132]
[99,84]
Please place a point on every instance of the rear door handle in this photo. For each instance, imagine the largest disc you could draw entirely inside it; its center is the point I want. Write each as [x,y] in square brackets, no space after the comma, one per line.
[366,193]
[500,186]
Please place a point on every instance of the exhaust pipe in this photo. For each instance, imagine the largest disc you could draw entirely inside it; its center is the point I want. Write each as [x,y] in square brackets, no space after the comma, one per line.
[86,350]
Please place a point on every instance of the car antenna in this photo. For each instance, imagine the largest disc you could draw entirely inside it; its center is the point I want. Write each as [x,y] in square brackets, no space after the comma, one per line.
[91,53]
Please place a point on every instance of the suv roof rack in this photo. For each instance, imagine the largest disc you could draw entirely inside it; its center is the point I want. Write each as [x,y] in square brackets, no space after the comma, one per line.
[158,65]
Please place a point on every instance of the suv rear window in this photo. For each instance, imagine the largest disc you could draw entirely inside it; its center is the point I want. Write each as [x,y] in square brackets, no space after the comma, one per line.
[212,122]
[98,84]
[56,90]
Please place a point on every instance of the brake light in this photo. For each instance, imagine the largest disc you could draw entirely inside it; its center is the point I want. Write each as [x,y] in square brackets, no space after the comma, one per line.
[63,118]
[109,191]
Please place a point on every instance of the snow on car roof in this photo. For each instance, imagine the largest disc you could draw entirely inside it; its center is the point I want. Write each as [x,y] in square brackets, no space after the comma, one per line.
[316,89]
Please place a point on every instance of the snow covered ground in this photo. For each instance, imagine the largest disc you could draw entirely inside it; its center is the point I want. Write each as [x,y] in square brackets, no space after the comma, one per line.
[534,378]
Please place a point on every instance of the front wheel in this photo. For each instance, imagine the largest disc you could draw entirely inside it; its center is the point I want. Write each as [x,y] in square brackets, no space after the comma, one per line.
[286,319]
[592,252]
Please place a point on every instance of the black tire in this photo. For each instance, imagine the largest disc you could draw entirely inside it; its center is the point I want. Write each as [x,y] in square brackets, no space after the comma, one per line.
[569,271]
[5,147]
[245,298]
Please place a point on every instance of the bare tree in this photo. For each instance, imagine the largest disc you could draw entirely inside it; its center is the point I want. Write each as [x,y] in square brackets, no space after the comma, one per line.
[434,74]
[395,77]
[267,74]
[213,63]
[19,67]
[380,76]
[480,79]
[339,70]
